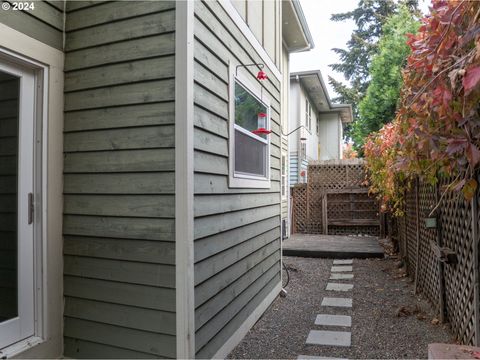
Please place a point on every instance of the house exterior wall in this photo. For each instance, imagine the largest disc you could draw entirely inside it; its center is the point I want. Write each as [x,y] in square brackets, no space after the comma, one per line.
[330,139]
[324,142]
[119,161]
[298,117]
[237,230]
[43,23]
[120,150]
[263,18]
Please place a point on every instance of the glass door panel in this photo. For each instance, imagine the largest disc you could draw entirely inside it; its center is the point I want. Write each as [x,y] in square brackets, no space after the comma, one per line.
[9,112]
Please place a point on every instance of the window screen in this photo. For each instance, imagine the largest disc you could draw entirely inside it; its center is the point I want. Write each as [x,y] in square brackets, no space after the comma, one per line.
[250,155]
[251,149]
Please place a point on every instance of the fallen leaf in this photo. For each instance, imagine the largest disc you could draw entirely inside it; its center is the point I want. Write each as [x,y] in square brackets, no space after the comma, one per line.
[421,316]
[435,321]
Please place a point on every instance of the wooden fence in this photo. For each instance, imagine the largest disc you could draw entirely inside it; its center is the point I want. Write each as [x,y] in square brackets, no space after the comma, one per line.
[335,201]
[441,251]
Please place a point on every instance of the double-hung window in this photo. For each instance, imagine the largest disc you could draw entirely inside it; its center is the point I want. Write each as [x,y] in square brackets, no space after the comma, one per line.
[249,138]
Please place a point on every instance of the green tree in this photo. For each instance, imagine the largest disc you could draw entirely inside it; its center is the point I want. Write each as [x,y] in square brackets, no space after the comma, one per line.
[380,102]
[369,18]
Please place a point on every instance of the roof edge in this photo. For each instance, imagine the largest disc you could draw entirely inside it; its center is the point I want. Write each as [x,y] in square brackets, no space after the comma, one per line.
[333,107]
[297,7]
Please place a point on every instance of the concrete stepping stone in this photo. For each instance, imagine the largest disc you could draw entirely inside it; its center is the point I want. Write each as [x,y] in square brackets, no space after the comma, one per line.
[338,287]
[340,276]
[337,302]
[342,268]
[307,357]
[334,338]
[343,262]
[333,320]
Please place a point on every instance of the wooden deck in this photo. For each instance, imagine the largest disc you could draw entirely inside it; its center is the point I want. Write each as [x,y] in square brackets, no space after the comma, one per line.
[332,246]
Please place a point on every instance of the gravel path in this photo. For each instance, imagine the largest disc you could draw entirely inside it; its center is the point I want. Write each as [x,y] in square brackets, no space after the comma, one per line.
[379,296]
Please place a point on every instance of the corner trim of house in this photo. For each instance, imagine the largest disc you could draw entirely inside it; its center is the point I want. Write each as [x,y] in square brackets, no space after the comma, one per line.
[184,282]
[242,25]
[238,335]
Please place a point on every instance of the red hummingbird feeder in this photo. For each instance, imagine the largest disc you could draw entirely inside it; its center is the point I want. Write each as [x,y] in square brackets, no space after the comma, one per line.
[262,124]
[262,75]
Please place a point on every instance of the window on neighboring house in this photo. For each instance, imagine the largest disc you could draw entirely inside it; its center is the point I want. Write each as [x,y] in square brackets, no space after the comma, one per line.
[303,150]
[308,115]
[250,148]
[284,176]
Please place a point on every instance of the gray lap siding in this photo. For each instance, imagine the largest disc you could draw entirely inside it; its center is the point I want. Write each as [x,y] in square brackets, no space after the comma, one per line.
[237,231]
[119,196]
[43,22]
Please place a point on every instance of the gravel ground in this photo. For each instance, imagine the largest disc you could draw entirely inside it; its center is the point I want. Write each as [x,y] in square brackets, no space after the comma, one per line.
[388,321]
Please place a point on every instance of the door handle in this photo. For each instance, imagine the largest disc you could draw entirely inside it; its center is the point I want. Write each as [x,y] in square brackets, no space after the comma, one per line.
[30,208]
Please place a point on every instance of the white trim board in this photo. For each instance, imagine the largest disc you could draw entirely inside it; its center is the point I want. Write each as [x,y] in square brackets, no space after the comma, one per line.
[238,335]
[237,19]
[184,261]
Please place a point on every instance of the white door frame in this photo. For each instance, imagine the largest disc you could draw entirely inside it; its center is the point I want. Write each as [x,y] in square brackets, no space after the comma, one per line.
[48,63]
[23,326]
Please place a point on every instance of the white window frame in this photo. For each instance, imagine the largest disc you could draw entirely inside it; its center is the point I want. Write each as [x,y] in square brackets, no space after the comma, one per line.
[308,114]
[36,333]
[303,150]
[241,180]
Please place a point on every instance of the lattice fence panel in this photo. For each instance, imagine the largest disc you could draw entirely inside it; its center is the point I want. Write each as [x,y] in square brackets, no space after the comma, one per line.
[456,223]
[411,228]
[299,208]
[337,174]
[349,207]
[354,230]
[315,214]
[428,271]
[398,234]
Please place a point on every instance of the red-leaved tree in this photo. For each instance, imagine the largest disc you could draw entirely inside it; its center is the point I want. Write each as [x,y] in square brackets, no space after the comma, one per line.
[437,126]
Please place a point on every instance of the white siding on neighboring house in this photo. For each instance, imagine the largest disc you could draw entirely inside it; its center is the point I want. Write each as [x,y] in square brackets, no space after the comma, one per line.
[320,121]
[302,112]
[330,133]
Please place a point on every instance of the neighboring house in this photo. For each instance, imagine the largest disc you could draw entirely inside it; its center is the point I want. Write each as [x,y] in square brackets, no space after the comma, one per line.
[321,122]
[143,218]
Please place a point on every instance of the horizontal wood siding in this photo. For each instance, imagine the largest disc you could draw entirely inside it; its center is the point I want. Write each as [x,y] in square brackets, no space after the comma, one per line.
[237,231]
[44,22]
[119,194]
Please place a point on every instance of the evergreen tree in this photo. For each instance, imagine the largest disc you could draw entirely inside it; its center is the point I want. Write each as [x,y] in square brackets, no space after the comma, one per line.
[379,104]
[369,18]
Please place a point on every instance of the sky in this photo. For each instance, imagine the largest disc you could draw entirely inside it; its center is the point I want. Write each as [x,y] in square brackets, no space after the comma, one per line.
[327,35]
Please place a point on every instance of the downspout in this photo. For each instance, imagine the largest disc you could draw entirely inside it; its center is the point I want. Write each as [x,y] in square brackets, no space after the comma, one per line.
[299,143]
